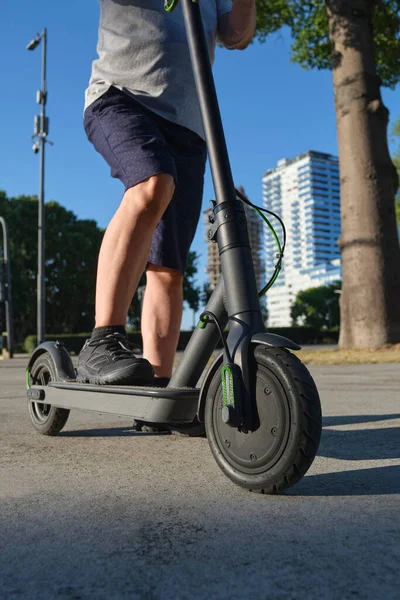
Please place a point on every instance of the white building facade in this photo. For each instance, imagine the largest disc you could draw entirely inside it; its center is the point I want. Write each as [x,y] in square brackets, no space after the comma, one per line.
[305,193]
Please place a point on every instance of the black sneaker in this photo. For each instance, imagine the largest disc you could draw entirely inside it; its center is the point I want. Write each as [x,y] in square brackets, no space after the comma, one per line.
[111,361]
[161,382]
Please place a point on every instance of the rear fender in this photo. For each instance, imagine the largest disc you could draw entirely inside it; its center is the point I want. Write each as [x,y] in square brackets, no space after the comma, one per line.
[62,361]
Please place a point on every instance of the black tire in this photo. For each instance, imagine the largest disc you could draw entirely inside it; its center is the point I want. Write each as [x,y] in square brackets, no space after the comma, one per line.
[46,419]
[278,454]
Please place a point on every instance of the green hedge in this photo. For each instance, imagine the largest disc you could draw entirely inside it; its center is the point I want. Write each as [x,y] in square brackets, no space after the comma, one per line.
[73,342]
[300,335]
[307,335]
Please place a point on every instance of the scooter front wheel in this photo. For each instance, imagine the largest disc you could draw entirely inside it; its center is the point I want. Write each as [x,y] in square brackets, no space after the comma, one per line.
[281,449]
[46,419]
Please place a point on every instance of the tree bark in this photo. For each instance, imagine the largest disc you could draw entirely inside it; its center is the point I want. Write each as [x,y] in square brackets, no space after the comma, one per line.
[369,303]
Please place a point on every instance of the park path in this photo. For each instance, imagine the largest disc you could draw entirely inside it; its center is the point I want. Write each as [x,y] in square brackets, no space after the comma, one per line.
[103,512]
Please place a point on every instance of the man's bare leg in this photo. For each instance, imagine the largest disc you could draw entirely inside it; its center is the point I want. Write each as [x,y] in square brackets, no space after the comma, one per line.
[123,256]
[126,246]
[161,317]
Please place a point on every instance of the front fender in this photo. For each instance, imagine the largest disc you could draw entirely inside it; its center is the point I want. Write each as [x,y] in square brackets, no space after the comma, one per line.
[60,356]
[206,384]
[274,340]
[267,339]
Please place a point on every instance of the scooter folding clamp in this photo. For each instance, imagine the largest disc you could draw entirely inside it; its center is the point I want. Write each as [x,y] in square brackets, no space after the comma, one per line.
[224,213]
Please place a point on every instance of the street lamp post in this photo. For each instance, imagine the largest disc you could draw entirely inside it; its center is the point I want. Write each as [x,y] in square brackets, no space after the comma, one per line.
[41,129]
[7,290]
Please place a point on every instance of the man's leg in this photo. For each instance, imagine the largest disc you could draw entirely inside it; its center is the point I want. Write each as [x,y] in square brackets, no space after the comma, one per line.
[126,246]
[161,317]
[106,358]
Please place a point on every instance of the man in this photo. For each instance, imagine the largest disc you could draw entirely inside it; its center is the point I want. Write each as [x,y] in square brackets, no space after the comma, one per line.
[142,115]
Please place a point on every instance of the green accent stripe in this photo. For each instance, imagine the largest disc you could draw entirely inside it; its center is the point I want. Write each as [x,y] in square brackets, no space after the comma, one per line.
[170,5]
[227,385]
[203,322]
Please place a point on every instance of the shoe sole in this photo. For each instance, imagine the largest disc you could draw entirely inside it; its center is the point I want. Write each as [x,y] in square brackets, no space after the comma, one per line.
[117,379]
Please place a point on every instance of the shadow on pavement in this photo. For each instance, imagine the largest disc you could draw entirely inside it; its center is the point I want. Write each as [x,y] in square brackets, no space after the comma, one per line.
[361,444]
[354,419]
[360,482]
[108,432]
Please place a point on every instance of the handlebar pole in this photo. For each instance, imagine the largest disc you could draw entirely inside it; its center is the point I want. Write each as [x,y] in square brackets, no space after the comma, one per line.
[215,137]
[237,264]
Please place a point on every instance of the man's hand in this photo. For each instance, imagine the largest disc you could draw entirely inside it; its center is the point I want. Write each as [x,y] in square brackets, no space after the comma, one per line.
[236,28]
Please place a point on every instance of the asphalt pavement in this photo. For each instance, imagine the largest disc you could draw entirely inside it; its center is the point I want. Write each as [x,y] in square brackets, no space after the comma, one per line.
[101,511]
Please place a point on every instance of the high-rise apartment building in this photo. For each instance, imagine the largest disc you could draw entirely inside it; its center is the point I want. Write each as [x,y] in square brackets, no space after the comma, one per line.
[213,267]
[255,230]
[305,193]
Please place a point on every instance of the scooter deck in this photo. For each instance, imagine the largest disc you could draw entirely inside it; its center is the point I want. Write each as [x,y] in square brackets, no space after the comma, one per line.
[150,404]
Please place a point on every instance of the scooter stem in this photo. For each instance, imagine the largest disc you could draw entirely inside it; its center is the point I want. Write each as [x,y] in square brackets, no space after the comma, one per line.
[230,223]
[229,227]
[215,137]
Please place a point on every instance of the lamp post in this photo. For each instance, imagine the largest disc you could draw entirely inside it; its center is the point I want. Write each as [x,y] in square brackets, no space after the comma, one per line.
[7,289]
[41,129]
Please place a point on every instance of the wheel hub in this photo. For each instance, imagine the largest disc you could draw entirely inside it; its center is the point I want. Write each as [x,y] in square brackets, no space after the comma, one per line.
[41,411]
[256,451]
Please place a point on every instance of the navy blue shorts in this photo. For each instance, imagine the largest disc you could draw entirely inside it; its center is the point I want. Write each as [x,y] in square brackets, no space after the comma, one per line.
[137,144]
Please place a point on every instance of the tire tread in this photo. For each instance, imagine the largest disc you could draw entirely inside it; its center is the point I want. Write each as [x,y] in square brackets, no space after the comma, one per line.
[57,416]
[312,413]
[309,429]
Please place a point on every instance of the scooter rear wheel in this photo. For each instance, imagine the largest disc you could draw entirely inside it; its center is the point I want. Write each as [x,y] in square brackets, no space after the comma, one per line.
[280,451]
[46,419]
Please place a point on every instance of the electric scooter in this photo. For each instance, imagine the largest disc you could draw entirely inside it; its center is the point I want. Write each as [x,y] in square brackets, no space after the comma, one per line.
[257,403]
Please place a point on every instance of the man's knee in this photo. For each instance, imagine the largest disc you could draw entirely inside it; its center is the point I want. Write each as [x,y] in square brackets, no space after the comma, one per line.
[152,195]
[164,275]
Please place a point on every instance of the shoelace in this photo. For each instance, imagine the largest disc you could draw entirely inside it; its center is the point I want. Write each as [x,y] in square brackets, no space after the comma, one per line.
[116,344]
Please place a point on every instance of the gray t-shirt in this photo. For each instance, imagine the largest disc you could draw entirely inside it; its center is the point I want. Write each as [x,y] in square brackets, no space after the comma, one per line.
[143,50]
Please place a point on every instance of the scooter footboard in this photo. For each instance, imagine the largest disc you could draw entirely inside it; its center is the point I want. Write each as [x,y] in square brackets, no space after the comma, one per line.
[153,405]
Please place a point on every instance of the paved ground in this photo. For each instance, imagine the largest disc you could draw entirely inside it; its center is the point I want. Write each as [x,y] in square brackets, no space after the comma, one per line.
[103,512]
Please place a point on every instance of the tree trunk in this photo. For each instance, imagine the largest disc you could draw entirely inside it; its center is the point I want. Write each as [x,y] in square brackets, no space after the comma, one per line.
[369,304]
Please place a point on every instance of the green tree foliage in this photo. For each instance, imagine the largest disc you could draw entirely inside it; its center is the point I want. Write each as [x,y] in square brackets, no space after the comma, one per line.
[71,252]
[205,293]
[191,292]
[312,47]
[317,307]
[135,309]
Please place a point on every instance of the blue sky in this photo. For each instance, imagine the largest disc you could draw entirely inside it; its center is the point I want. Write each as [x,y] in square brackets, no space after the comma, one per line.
[270,107]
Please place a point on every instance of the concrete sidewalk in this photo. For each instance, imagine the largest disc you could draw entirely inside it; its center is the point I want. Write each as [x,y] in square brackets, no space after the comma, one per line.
[104,512]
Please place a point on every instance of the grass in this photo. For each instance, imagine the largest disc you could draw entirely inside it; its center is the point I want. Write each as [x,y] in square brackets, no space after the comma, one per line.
[329,356]
[386,354]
